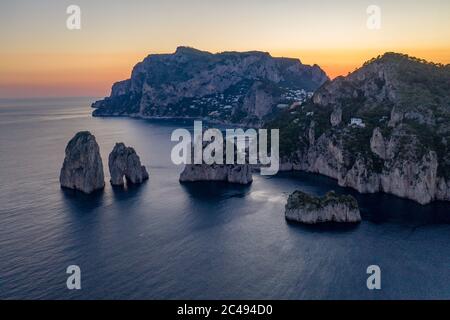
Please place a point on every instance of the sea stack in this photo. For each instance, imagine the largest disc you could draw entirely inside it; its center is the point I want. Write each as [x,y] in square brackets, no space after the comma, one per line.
[82,168]
[307,209]
[124,162]
[232,173]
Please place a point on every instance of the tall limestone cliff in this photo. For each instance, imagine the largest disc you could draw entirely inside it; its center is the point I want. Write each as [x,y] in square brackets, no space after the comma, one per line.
[232,87]
[383,128]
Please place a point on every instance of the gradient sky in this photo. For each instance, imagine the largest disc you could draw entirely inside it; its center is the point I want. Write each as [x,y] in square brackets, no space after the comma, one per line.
[39,56]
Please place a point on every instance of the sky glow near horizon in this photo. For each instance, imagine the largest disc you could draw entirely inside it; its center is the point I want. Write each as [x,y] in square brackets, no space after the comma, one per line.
[39,56]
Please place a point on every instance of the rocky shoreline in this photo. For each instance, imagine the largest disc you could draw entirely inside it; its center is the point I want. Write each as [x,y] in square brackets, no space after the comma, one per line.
[362,180]
[176,118]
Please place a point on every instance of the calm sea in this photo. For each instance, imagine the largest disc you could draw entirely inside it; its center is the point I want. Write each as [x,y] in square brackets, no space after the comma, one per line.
[166,240]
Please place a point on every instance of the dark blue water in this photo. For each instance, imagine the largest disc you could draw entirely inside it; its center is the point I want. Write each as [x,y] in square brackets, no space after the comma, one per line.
[165,240]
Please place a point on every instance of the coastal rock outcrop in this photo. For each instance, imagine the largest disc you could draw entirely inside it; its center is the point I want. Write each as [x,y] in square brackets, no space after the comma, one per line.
[123,163]
[82,168]
[232,173]
[303,208]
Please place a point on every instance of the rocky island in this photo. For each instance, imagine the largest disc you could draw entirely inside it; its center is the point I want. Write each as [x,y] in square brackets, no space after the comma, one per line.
[229,87]
[307,209]
[383,128]
[123,163]
[82,168]
[232,173]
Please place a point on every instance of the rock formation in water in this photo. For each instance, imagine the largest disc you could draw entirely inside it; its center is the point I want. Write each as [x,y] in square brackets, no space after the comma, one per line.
[399,142]
[123,163]
[82,168]
[232,173]
[307,209]
[231,87]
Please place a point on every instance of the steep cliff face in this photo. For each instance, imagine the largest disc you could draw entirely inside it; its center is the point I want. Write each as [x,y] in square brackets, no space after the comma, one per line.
[336,117]
[377,143]
[230,86]
[383,128]
[259,102]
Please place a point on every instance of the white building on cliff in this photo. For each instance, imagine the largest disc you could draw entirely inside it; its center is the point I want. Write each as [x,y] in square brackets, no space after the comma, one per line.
[357,122]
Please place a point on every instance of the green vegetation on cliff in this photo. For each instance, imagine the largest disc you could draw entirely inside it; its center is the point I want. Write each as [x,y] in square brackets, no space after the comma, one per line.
[299,199]
[407,98]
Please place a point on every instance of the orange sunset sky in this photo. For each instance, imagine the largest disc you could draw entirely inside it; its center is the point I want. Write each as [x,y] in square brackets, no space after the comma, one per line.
[40,57]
